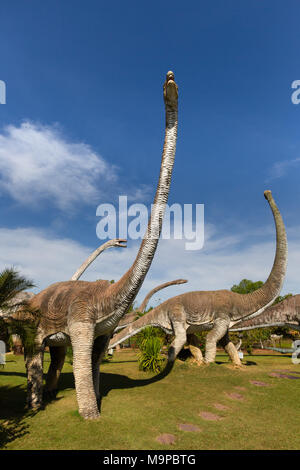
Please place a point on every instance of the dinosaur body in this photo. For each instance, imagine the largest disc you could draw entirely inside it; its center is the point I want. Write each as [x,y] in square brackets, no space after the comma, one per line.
[285,313]
[215,311]
[86,313]
[132,316]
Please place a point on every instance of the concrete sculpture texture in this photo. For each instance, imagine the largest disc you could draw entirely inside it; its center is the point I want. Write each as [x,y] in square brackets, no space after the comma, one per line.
[88,312]
[285,313]
[215,311]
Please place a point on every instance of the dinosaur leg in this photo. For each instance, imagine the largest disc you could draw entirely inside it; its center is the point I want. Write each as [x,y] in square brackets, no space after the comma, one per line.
[34,366]
[194,347]
[99,348]
[82,338]
[179,340]
[57,354]
[213,336]
[230,349]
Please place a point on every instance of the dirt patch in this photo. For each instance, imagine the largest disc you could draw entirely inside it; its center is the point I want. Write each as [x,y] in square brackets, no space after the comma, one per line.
[189,427]
[286,371]
[221,407]
[259,384]
[209,416]
[166,439]
[234,396]
[283,376]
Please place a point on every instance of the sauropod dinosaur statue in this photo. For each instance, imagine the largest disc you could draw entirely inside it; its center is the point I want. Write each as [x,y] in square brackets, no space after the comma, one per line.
[86,313]
[57,354]
[216,311]
[132,316]
[119,242]
[17,300]
[285,313]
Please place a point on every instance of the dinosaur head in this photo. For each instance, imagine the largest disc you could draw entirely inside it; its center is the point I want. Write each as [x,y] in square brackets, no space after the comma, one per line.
[170,90]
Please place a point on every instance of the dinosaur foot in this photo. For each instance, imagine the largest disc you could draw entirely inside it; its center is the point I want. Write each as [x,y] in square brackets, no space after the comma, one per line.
[89,414]
[195,361]
[237,366]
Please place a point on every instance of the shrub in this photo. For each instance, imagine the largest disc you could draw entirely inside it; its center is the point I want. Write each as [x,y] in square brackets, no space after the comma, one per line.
[149,357]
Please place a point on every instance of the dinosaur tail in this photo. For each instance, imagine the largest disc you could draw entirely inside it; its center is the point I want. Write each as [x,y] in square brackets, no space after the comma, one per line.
[149,319]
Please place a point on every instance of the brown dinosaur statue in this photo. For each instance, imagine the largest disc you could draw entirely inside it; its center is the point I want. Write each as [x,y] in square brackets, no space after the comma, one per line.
[23,297]
[215,311]
[285,313]
[58,353]
[132,316]
[86,313]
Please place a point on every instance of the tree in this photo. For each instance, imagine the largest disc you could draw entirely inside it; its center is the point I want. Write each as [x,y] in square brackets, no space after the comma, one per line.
[246,286]
[259,334]
[11,285]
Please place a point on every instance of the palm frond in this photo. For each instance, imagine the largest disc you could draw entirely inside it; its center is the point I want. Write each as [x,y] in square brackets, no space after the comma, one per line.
[11,284]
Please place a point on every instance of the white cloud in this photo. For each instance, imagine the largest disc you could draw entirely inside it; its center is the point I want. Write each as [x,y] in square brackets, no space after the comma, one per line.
[279,169]
[37,162]
[222,263]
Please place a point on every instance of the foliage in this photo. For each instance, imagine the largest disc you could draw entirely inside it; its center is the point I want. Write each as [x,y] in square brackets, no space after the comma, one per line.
[280,298]
[149,358]
[11,284]
[246,286]
[24,325]
[149,332]
[258,335]
[251,337]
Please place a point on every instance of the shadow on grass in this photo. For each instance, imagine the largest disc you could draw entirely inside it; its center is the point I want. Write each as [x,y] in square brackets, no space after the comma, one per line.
[12,414]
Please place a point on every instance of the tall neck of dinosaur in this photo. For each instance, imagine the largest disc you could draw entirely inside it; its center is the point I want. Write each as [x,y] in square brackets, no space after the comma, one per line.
[281,313]
[256,302]
[121,294]
[144,304]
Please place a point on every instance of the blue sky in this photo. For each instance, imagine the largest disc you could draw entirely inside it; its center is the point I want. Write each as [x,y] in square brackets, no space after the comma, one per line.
[84,123]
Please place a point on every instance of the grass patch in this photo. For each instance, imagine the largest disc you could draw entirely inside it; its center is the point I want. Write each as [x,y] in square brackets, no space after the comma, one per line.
[136,408]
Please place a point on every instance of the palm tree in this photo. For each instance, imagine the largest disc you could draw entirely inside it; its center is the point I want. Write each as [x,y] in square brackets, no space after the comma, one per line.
[12,298]
[11,285]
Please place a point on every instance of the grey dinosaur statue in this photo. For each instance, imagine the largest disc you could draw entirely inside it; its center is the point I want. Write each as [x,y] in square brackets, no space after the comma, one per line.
[215,311]
[86,313]
[285,313]
[57,356]
[132,316]
[58,353]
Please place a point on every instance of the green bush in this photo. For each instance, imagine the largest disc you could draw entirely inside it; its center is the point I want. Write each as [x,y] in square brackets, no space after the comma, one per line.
[149,358]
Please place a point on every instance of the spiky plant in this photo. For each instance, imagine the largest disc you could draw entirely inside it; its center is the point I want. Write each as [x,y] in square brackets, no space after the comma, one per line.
[149,357]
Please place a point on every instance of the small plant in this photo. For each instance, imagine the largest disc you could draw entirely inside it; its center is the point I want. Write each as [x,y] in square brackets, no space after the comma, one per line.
[149,358]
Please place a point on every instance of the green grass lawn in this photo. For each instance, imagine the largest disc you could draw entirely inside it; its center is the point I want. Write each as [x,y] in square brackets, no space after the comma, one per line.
[136,408]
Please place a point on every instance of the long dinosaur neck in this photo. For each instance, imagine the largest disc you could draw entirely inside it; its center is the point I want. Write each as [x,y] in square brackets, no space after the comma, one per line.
[256,302]
[123,292]
[149,319]
[278,314]
[94,255]
[144,304]
[131,316]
